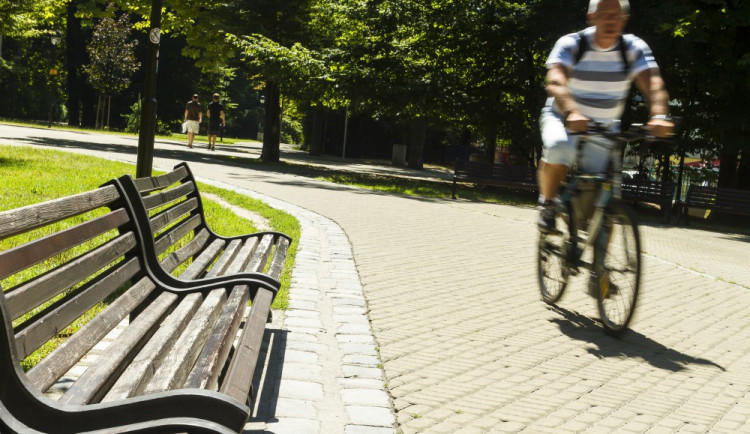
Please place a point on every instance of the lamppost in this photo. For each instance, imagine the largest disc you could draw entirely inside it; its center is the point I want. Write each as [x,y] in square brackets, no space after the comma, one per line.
[55,38]
[262,100]
[148,111]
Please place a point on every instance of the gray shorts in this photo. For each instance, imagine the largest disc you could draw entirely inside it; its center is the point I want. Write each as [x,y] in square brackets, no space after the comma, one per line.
[561,147]
[193,127]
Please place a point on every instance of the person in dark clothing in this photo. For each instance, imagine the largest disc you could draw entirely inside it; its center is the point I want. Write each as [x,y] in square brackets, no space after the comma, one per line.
[216,121]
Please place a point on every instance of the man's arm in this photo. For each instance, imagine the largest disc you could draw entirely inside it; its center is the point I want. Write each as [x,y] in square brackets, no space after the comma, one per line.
[651,85]
[223,118]
[557,86]
[186,115]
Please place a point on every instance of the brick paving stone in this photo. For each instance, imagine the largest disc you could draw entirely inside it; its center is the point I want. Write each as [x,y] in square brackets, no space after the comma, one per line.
[360,429]
[295,408]
[370,416]
[375,398]
[294,426]
[305,390]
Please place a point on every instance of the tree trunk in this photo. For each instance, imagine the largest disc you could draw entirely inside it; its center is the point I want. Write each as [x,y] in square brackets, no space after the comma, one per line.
[416,147]
[316,142]
[74,48]
[271,129]
[743,171]
[728,170]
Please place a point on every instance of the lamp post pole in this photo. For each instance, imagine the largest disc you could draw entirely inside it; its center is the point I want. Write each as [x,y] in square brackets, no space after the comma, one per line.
[56,38]
[148,107]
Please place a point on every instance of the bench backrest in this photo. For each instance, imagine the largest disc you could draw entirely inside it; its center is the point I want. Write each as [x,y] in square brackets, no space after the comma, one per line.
[721,199]
[60,262]
[645,190]
[496,172]
[182,237]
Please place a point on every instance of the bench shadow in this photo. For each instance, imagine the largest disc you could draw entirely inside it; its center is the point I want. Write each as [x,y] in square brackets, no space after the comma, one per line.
[267,378]
[631,344]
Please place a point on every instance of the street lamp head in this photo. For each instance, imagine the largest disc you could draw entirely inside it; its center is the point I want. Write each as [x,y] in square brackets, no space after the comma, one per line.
[56,37]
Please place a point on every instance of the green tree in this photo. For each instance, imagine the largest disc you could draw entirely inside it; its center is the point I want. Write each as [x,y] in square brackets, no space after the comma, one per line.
[112,58]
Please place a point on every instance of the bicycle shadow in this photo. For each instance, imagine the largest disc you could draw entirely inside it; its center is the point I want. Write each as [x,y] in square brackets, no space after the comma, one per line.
[630,344]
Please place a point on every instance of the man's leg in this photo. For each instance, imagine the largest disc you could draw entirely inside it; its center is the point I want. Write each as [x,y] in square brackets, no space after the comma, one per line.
[190,139]
[550,176]
[558,154]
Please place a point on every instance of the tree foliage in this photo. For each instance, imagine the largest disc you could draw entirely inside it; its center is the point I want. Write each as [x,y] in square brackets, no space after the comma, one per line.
[112,59]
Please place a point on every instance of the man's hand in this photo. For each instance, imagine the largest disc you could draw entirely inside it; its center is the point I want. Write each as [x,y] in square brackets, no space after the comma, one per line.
[661,128]
[576,122]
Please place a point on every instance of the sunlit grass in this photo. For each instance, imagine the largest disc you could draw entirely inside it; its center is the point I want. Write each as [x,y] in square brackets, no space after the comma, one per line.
[178,137]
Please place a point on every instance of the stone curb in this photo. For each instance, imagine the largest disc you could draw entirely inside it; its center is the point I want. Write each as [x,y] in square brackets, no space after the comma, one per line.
[332,379]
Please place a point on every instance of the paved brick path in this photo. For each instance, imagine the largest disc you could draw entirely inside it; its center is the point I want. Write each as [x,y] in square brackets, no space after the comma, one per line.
[467,346]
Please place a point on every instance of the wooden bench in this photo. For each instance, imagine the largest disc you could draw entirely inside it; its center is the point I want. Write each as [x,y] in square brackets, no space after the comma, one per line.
[725,200]
[494,174]
[657,192]
[185,357]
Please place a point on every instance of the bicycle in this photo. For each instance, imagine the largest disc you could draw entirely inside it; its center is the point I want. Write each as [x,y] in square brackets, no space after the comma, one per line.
[591,215]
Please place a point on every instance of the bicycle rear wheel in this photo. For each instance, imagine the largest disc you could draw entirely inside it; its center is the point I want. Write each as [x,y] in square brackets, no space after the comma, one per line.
[555,255]
[618,268]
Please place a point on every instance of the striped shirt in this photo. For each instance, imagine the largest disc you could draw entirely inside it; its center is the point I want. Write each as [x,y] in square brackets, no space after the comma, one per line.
[598,82]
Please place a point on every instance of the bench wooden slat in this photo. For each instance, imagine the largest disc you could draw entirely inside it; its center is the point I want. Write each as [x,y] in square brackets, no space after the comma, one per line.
[174,259]
[178,363]
[202,261]
[277,264]
[52,367]
[94,382]
[141,369]
[169,215]
[243,256]
[151,183]
[61,314]
[30,217]
[260,256]
[205,372]
[37,291]
[227,256]
[167,196]
[171,236]
[36,251]
[238,379]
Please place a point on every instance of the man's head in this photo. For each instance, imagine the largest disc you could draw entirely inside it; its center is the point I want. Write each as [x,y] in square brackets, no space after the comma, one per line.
[609,17]
[216,97]
[195,97]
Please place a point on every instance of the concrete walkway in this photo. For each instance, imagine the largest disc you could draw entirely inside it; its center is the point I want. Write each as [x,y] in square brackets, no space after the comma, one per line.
[465,343]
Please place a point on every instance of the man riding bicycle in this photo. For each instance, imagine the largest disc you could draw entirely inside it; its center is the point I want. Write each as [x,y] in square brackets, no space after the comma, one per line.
[589,76]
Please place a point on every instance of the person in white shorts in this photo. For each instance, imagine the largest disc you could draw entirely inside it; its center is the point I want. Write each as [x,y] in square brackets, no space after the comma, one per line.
[193,118]
[589,74]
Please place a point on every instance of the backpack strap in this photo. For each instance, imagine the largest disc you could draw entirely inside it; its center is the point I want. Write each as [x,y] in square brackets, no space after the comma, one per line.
[583,46]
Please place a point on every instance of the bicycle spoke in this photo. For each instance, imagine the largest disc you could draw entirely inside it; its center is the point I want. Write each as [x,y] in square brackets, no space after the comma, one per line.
[622,267]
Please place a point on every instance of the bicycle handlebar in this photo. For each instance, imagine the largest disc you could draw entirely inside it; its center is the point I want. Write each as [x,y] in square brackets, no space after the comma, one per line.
[636,132]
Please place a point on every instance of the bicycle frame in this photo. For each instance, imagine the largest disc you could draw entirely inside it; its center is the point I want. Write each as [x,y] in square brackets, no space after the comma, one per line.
[608,190]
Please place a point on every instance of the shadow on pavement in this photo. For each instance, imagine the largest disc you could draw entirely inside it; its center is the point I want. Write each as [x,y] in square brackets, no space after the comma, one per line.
[631,344]
[267,377]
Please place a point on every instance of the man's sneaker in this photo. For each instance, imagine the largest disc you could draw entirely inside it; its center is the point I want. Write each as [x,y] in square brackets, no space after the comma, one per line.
[547,214]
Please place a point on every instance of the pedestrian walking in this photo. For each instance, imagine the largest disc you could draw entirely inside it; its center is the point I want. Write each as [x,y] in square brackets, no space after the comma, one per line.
[193,118]
[216,121]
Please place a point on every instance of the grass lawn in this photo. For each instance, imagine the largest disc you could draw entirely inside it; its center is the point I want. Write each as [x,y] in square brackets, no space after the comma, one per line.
[177,137]
[31,175]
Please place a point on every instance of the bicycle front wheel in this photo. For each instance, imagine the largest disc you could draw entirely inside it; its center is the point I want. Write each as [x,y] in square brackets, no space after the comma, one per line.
[618,268]
[554,257]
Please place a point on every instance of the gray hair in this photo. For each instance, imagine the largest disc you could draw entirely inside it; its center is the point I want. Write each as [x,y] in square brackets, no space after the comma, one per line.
[624,5]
